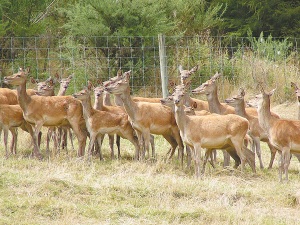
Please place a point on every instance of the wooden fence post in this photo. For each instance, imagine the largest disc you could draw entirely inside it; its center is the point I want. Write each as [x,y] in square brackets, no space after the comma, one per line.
[163,65]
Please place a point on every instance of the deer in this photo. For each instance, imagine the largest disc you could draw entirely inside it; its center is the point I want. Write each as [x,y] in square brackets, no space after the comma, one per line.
[49,111]
[297,92]
[283,133]
[11,117]
[100,122]
[168,101]
[100,95]
[256,132]
[8,96]
[210,89]
[225,132]
[49,91]
[147,117]
[118,102]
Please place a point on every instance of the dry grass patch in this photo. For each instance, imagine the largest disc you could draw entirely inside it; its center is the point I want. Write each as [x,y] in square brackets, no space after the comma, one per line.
[61,190]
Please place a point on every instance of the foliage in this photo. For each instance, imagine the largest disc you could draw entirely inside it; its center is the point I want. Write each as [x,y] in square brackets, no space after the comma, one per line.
[277,17]
[130,18]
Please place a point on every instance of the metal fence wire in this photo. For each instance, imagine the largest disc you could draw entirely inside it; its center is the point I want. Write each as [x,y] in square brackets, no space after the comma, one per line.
[242,61]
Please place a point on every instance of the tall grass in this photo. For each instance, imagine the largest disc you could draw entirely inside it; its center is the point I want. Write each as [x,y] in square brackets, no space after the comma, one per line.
[64,190]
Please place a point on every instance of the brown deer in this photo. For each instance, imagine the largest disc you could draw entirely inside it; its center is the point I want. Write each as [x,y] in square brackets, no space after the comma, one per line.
[99,92]
[147,117]
[213,131]
[118,102]
[210,89]
[283,134]
[185,75]
[60,137]
[297,92]
[49,111]
[256,131]
[99,122]
[11,117]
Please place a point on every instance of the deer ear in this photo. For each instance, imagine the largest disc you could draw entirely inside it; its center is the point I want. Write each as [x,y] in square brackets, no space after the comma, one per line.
[90,85]
[293,85]
[241,92]
[71,76]
[32,80]
[215,77]
[119,73]
[272,92]
[194,69]
[51,82]
[180,68]
[195,105]
[56,75]
[127,75]
[27,69]
[99,81]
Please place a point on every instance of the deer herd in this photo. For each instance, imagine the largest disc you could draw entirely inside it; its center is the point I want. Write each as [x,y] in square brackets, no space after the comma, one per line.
[180,119]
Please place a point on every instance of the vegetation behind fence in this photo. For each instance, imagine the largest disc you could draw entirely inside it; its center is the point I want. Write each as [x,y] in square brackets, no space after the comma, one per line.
[243,62]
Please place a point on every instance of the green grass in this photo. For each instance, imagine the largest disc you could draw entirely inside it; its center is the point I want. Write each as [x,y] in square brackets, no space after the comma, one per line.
[68,190]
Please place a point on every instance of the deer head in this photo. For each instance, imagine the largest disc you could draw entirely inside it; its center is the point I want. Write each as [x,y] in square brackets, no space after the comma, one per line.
[208,87]
[18,78]
[185,75]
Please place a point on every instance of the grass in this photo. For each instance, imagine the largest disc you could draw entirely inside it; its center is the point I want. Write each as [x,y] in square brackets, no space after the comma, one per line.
[68,190]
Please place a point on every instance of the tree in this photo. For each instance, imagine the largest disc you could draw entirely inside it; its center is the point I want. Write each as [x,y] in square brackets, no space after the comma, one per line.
[277,17]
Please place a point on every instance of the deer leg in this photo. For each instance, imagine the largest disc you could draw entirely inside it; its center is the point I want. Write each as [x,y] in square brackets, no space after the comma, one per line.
[92,141]
[180,144]
[189,154]
[141,144]
[99,141]
[64,144]
[286,160]
[258,150]
[49,133]
[197,148]
[214,155]
[71,137]
[146,136]
[118,142]
[280,165]
[81,136]
[37,129]
[172,142]
[208,153]
[226,159]
[111,145]
[13,141]
[273,153]
[5,140]
[152,145]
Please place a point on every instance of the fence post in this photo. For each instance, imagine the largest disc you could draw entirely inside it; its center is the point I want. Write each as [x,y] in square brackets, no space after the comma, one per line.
[163,65]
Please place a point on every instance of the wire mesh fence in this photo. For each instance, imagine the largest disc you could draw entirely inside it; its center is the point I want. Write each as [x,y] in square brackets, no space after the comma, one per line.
[242,61]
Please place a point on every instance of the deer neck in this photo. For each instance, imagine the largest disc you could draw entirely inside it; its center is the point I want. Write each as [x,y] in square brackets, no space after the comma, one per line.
[87,108]
[98,103]
[23,98]
[130,106]
[265,118]
[180,117]
[240,110]
[213,102]
[106,99]
[62,92]
[118,100]
[187,100]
